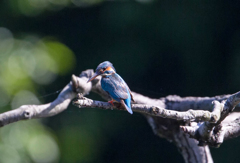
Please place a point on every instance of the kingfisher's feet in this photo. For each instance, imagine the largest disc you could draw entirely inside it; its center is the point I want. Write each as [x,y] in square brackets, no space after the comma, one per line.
[116,104]
[111,102]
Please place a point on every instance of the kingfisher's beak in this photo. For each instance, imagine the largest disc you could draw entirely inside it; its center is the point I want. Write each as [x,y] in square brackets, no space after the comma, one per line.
[93,77]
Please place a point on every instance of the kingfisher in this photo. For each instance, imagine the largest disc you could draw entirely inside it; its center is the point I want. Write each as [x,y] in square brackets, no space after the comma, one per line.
[114,85]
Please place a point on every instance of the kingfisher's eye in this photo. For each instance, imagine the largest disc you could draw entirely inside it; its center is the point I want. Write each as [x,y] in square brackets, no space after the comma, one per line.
[104,69]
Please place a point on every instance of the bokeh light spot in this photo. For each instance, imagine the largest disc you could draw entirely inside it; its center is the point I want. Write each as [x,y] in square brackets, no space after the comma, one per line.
[43,149]
[6,42]
[10,154]
[4,98]
[24,97]
[63,56]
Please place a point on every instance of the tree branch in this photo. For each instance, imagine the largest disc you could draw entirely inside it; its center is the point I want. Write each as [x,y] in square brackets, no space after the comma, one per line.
[170,117]
[46,110]
[190,115]
[214,133]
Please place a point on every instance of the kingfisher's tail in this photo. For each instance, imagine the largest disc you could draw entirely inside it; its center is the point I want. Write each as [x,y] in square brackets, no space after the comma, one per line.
[126,107]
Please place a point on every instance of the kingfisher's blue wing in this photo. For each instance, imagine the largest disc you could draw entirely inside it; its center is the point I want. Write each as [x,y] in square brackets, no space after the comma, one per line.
[118,90]
[116,87]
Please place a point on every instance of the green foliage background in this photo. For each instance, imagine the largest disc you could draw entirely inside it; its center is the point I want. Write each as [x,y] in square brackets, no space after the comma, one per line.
[188,48]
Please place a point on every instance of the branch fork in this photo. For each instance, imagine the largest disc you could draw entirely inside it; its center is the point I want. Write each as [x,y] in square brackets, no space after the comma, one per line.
[211,132]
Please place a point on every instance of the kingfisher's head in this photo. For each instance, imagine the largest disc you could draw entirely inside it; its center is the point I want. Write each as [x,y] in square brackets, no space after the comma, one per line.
[104,69]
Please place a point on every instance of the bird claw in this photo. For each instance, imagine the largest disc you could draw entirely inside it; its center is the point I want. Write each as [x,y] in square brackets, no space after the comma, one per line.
[116,104]
[111,102]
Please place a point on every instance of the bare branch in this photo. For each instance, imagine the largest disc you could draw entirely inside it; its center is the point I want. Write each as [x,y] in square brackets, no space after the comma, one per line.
[216,137]
[175,111]
[214,133]
[174,102]
[232,129]
[190,115]
[231,117]
[188,147]
[38,111]
[168,107]
[46,110]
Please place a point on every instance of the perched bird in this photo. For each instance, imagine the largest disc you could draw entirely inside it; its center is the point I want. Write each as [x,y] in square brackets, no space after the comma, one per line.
[114,85]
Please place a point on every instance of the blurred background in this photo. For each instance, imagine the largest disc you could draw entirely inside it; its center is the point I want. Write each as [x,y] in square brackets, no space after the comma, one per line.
[160,48]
